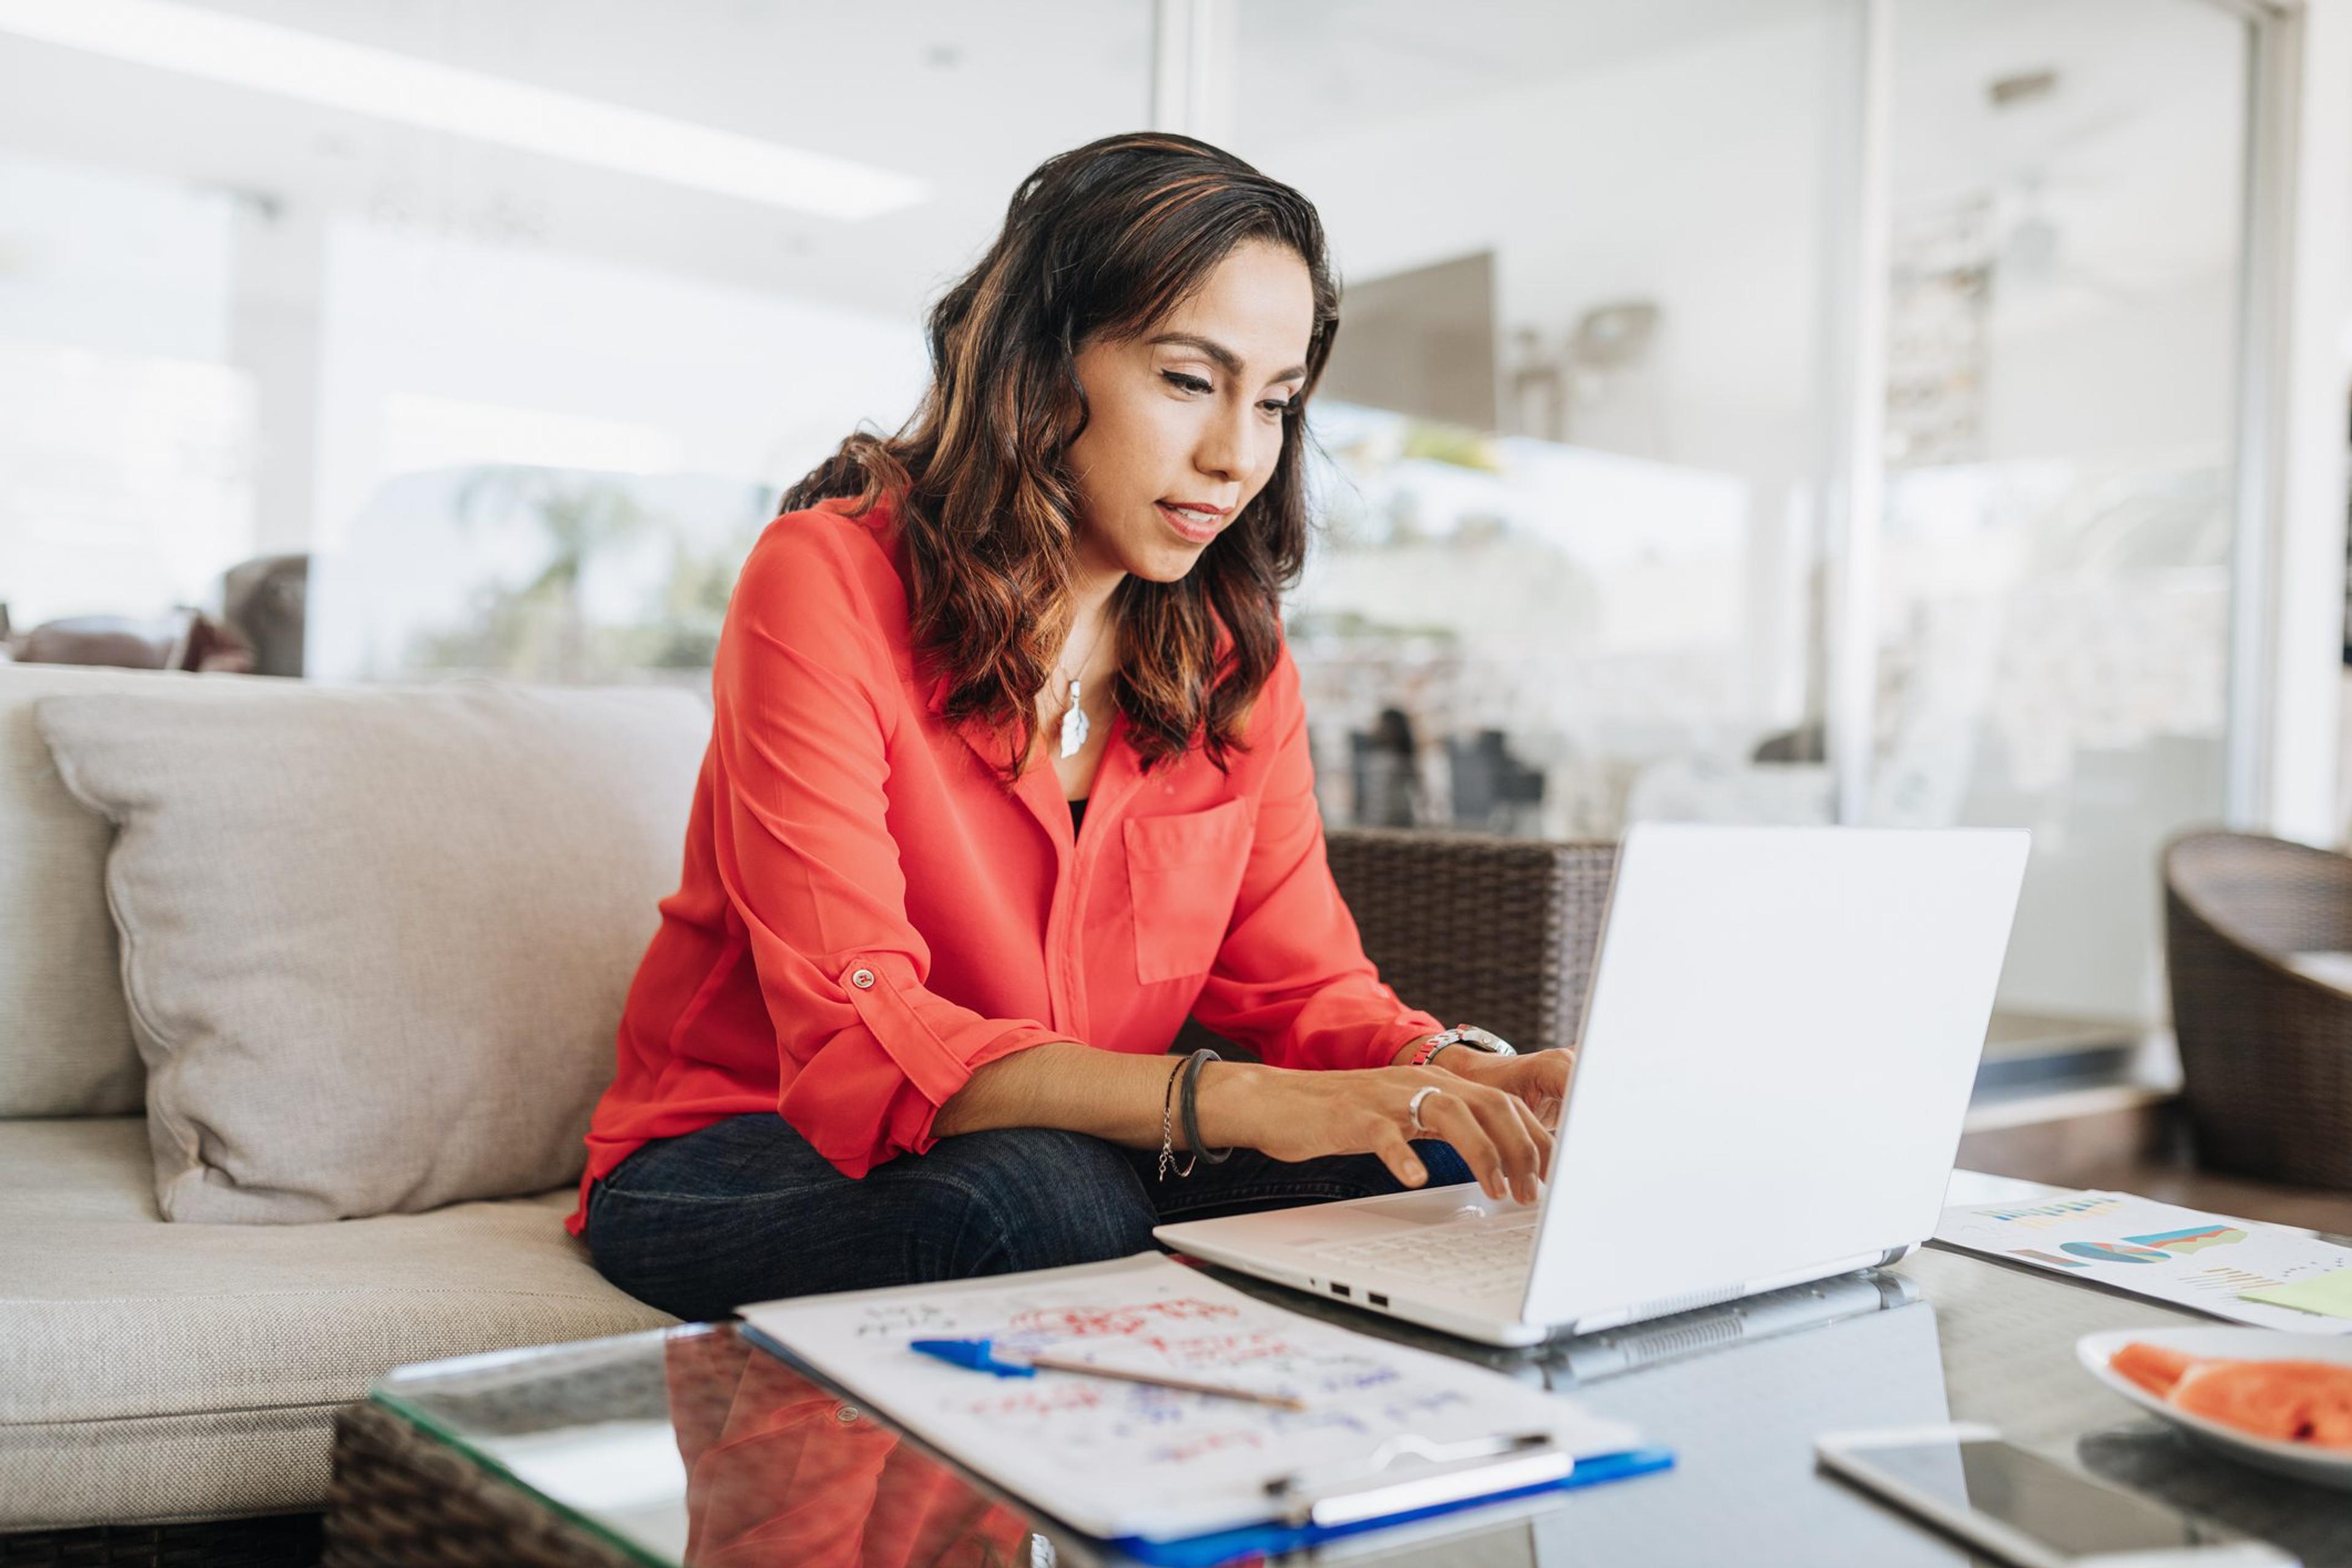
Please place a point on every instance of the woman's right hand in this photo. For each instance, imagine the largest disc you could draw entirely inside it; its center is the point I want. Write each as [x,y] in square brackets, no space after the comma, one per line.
[1298,1115]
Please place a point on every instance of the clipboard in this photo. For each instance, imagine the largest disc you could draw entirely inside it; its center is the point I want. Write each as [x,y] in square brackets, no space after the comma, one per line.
[1391,1434]
[1269,1540]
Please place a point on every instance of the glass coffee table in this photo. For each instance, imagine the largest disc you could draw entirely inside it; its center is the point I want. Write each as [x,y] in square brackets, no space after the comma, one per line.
[692,1446]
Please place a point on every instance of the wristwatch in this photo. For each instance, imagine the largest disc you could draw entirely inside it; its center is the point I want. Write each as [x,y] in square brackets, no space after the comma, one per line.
[1469,1035]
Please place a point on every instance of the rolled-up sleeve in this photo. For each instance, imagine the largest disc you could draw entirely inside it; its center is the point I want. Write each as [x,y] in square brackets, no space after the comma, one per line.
[804,694]
[1290,978]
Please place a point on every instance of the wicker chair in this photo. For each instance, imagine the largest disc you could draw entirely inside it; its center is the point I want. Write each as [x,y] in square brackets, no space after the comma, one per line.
[1500,933]
[1496,932]
[2265,1050]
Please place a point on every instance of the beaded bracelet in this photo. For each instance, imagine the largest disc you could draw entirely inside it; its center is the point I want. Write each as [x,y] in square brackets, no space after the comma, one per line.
[1189,1108]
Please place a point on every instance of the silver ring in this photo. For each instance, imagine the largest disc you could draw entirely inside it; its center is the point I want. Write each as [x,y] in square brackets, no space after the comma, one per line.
[1412,1106]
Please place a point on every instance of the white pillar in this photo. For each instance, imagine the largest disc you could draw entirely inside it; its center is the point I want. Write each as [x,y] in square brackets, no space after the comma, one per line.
[2309,638]
[1856,309]
[2288,642]
[1194,47]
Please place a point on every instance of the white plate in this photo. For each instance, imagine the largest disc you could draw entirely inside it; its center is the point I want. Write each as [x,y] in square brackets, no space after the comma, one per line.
[2325,1466]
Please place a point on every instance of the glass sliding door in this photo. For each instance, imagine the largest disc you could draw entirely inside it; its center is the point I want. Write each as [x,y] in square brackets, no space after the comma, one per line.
[1575,419]
[1587,560]
[2067,221]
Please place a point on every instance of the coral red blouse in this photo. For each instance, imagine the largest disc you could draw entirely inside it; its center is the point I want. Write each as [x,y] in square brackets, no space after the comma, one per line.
[868,915]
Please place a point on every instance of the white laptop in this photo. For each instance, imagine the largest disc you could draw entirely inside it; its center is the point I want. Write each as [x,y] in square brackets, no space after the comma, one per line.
[1778,1047]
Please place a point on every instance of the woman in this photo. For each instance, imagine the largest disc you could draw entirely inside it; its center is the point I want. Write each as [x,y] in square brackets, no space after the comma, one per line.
[1008,775]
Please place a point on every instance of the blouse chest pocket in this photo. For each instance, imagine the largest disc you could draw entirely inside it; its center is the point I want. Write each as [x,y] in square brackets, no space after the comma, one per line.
[1183,874]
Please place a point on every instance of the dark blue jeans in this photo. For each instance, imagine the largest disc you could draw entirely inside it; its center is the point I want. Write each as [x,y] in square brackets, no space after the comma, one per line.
[744,1210]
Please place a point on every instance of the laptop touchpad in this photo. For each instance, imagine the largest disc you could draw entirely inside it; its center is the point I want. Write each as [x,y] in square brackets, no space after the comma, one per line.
[1397,1214]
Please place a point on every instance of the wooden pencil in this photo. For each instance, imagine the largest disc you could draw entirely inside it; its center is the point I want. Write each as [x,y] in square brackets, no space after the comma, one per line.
[1160,1380]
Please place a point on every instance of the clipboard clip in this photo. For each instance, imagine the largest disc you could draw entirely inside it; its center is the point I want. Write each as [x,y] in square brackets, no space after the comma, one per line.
[1408,1472]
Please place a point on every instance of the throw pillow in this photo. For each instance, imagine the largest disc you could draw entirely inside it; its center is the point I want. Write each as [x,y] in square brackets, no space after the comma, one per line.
[376,942]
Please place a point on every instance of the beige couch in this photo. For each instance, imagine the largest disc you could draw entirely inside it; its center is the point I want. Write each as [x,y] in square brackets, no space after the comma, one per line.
[163,1370]
[159,1371]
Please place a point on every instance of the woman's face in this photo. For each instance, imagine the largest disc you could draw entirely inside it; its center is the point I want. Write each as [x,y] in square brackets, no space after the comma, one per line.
[1190,415]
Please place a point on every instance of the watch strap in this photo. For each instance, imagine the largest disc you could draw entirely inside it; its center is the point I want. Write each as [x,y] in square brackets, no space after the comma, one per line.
[1470,1035]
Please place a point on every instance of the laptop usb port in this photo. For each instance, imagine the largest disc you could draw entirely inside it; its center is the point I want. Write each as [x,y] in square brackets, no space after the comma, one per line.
[1376,1299]
[1340,1289]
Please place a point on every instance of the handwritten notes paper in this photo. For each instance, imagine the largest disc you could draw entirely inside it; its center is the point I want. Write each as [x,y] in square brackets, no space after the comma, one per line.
[1119,1459]
[2238,1270]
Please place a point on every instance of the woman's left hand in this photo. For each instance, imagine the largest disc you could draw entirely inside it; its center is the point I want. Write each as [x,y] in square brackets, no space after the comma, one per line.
[1539,1077]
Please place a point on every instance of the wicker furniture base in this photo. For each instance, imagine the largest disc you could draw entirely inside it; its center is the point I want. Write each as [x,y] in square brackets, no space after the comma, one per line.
[289,1541]
[2266,1051]
[400,1499]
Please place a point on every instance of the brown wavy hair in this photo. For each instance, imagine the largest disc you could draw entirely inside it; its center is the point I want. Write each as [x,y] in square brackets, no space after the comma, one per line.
[1107,238]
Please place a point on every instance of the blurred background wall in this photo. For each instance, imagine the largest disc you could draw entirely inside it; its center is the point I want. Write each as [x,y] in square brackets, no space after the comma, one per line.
[1887,411]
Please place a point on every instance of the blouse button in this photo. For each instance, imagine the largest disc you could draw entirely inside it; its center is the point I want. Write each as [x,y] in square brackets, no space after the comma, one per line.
[862,978]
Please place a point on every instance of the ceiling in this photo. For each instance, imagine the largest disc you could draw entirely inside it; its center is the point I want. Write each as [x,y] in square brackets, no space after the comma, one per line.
[967,97]
[970,97]
[1315,68]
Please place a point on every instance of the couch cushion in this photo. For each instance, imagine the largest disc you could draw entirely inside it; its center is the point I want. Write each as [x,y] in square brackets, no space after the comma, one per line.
[375,942]
[64,1040]
[154,1370]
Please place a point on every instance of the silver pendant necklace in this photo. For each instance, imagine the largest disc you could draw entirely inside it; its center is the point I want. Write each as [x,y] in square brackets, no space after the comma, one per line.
[1074,723]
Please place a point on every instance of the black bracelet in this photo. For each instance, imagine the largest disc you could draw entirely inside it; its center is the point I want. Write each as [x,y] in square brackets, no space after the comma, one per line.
[1167,1127]
[1189,1109]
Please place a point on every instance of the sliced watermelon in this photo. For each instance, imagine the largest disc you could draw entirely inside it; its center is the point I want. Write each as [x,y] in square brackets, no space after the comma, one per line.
[2286,1401]
[2153,1367]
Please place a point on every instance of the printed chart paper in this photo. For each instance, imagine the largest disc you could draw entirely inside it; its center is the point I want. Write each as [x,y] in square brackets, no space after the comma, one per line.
[2201,1261]
[1121,1458]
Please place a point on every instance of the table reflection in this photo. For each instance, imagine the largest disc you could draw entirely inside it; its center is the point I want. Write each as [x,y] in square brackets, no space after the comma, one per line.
[2151,1456]
[780,1472]
[1742,1424]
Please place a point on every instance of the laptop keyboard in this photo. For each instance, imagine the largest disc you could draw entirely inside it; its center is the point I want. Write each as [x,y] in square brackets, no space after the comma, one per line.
[1469,1259]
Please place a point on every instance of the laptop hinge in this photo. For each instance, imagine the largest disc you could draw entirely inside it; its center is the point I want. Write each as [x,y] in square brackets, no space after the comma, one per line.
[1691,1301]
